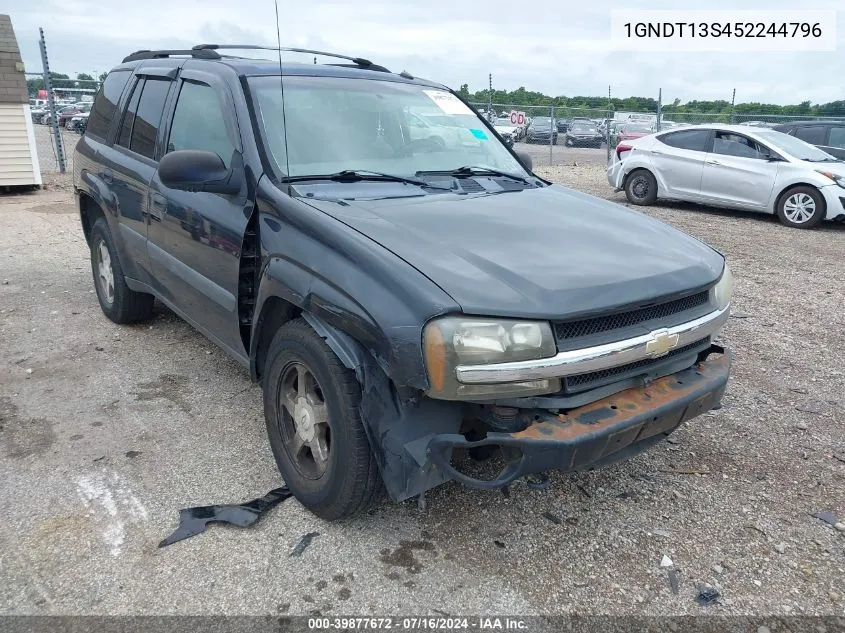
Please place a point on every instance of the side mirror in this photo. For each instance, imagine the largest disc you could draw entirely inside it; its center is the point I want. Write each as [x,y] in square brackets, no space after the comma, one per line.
[526,160]
[198,170]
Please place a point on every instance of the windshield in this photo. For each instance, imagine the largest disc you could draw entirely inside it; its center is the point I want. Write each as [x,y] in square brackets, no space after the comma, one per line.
[335,124]
[541,121]
[503,121]
[584,126]
[795,147]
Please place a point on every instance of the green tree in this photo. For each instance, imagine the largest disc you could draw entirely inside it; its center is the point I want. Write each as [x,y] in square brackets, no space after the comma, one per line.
[84,77]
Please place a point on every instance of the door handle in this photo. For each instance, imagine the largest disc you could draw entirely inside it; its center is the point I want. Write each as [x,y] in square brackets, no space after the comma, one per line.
[108,175]
[712,162]
[655,152]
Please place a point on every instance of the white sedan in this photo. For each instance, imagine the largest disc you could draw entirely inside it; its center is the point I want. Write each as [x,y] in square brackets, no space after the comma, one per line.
[736,167]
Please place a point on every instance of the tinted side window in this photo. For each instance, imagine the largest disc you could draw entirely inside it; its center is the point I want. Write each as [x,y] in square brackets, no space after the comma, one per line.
[129,116]
[148,116]
[813,134]
[695,140]
[837,136]
[729,144]
[199,122]
[105,106]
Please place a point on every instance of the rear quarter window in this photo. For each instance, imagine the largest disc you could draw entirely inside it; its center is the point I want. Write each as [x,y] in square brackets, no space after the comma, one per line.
[105,105]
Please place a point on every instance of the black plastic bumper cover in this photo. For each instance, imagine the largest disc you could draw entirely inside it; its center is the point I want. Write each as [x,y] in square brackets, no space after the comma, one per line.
[596,432]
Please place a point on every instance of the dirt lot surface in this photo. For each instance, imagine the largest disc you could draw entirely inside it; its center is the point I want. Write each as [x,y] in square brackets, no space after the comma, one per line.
[106,432]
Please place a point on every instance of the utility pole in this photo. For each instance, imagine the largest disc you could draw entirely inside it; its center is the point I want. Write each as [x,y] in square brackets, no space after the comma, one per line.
[733,101]
[490,96]
[659,109]
[51,102]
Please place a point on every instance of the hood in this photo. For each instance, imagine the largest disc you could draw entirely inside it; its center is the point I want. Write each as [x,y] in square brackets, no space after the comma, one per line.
[505,129]
[547,252]
[584,132]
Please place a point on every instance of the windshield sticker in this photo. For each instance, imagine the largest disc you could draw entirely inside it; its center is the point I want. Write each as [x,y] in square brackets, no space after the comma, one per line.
[447,102]
[479,134]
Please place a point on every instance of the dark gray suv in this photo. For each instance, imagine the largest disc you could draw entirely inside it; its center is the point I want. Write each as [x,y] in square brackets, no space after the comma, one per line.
[403,302]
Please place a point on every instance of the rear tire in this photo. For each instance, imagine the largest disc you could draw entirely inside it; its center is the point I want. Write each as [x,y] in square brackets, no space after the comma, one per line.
[325,457]
[641,187]
[118,301]
[801,207]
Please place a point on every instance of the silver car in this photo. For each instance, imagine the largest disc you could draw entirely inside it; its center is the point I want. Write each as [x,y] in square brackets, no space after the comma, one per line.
[732,166]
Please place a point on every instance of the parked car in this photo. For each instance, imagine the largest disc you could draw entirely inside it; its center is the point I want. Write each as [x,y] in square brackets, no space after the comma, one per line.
[37,113]
[397,306]
[78,123]
[541,130]
[508,131]
[46,119]
[68,113]
[561,125]
[736,167]
[828,136]
[583,133]
[631,131]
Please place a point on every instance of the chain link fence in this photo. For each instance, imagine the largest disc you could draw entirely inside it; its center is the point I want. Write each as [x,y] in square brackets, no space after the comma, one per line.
[580,135]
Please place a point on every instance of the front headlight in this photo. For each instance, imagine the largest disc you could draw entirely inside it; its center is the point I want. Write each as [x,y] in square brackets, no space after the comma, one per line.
[839,180]
[722,291]
[463,340]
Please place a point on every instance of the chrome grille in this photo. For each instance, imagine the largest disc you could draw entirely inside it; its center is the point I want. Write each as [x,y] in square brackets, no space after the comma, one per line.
[585,327]
[582,382]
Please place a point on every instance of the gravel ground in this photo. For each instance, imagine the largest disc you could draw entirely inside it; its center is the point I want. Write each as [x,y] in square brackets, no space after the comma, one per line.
[106,431]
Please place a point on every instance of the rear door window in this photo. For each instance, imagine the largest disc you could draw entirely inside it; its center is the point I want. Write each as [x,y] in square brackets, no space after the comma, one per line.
[812,134]
[105,105]
[837,136]
[148,116]
[693,140]
[129,115]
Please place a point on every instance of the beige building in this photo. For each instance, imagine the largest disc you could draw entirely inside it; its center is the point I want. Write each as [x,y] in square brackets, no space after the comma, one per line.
[18,158]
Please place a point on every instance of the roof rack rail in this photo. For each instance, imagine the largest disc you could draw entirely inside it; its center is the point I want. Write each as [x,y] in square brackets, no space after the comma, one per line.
[148,54]
[358,61]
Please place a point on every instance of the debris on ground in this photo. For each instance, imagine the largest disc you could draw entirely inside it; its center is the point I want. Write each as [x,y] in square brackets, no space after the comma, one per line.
[499,544]
[814,406]
[780,548]
[707,595]
[718,569]
[666,561]
[303,543]
[828,517]
[540,481]
[739,314]
[193,521]
[552,517]
[674,583]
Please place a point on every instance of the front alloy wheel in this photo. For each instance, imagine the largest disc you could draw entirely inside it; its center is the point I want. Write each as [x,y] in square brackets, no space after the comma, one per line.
[105,273]
[305,421]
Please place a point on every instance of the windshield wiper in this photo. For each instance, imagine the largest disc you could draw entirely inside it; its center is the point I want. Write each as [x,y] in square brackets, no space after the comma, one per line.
[359,175]
[823,160]
[469,170]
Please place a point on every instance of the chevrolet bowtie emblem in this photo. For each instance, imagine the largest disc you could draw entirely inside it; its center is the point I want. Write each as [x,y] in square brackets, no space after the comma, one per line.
[661,343]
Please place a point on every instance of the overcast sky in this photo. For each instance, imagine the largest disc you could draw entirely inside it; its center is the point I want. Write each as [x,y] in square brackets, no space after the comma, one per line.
[560,47]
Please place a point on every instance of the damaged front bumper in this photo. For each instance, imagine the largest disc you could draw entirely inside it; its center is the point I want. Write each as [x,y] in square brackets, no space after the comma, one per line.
[610,429]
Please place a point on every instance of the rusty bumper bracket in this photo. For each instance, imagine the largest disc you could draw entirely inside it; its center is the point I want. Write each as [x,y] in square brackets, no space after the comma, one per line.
[594,433]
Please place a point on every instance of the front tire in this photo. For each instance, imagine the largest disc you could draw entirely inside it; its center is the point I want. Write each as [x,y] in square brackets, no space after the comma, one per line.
[118,301]
[801,207]
[641,187]
[314,427]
